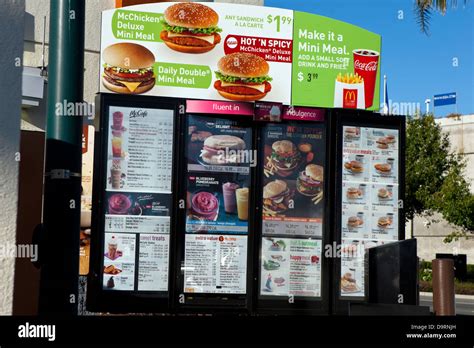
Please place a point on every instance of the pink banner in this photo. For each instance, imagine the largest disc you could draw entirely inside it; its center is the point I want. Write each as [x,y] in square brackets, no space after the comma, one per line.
[219,107]
[303,114]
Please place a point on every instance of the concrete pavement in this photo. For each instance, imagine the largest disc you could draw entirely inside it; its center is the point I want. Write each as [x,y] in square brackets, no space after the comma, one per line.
[464,303]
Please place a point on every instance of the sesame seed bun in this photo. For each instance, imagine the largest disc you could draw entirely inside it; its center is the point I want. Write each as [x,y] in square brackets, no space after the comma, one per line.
[128,55]
[191,15]
[243,65]
[315,172]
[283,146]
[274,188]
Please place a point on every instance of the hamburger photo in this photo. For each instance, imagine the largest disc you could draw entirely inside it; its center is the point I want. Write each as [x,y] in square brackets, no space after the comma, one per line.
[243,76]
[128,68]
[384,222]
[285,155]
[352,132]
[190,28]
[354,166]
[310,180]
[276,197]
[383,193]
[216,147]
[383,168]
[382,143]
[353,193]
[354,221]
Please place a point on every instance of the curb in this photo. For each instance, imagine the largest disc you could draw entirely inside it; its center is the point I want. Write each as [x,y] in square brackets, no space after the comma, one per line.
[459,296]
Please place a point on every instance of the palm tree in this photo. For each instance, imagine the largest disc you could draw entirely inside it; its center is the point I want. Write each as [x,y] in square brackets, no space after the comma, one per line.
[425,8]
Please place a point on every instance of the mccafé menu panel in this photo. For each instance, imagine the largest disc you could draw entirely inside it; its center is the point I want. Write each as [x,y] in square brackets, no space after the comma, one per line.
[370,190]
[292,210]
[138,199]
[219,157]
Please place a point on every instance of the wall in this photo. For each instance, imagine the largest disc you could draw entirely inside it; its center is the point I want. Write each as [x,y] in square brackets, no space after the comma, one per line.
[11,23]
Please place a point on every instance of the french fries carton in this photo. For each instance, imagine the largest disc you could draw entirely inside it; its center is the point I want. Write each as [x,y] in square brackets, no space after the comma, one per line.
[349,91]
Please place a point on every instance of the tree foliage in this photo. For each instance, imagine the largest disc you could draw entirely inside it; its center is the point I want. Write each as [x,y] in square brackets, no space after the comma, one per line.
[424,10]
[435,176]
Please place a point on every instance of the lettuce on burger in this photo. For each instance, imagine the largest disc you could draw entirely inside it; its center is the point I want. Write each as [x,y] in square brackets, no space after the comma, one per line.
[310,181]
[276,196]
[128,68]
[285,155]
[190,28]
[243,76]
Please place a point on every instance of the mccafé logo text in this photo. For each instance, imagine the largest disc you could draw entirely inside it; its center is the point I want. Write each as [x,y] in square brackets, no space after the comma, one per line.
[370,66]
[138,113]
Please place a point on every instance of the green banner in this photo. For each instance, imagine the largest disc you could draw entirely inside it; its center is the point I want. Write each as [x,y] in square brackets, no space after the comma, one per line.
[335,64]
[139,26]
[182,75]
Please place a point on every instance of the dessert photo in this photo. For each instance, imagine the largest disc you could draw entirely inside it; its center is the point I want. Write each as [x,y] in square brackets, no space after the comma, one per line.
[348,283]
[243,77]
[134,203]
[217,203]
[111,269]
[190,28]
[128,68]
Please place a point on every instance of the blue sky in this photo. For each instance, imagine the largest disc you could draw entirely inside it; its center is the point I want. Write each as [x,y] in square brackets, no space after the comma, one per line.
[417,66]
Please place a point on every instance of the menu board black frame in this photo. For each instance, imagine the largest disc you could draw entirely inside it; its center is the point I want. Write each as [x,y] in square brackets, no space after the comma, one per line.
[359,118]
[297,305]
[239,304]
[99,299]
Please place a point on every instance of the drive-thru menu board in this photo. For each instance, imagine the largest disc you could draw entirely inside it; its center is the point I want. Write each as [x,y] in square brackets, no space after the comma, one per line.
[219,157]
[369,199]
[138,199]
[293,210]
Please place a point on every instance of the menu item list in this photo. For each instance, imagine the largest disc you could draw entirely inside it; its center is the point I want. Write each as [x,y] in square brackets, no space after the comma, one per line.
[138,199]
[369,199]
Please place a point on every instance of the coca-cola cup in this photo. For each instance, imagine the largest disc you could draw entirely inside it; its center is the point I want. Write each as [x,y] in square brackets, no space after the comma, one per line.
[366,63]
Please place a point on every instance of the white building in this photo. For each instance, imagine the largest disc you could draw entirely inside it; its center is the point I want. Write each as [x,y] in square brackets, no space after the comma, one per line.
[430,236]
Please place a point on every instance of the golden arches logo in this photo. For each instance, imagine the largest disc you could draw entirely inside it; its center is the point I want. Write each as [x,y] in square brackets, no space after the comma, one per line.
[350,95]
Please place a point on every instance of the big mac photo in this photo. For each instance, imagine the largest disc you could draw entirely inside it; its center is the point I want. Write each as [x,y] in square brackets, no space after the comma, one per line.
[190,28]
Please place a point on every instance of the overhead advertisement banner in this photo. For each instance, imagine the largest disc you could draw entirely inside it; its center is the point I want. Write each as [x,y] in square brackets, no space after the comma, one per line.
[233,52]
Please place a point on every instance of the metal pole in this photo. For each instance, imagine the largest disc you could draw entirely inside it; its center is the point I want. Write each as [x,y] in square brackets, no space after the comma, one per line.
[444,302]
[62,189]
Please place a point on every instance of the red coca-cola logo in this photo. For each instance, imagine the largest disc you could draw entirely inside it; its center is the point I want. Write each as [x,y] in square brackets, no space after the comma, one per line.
[370,66]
